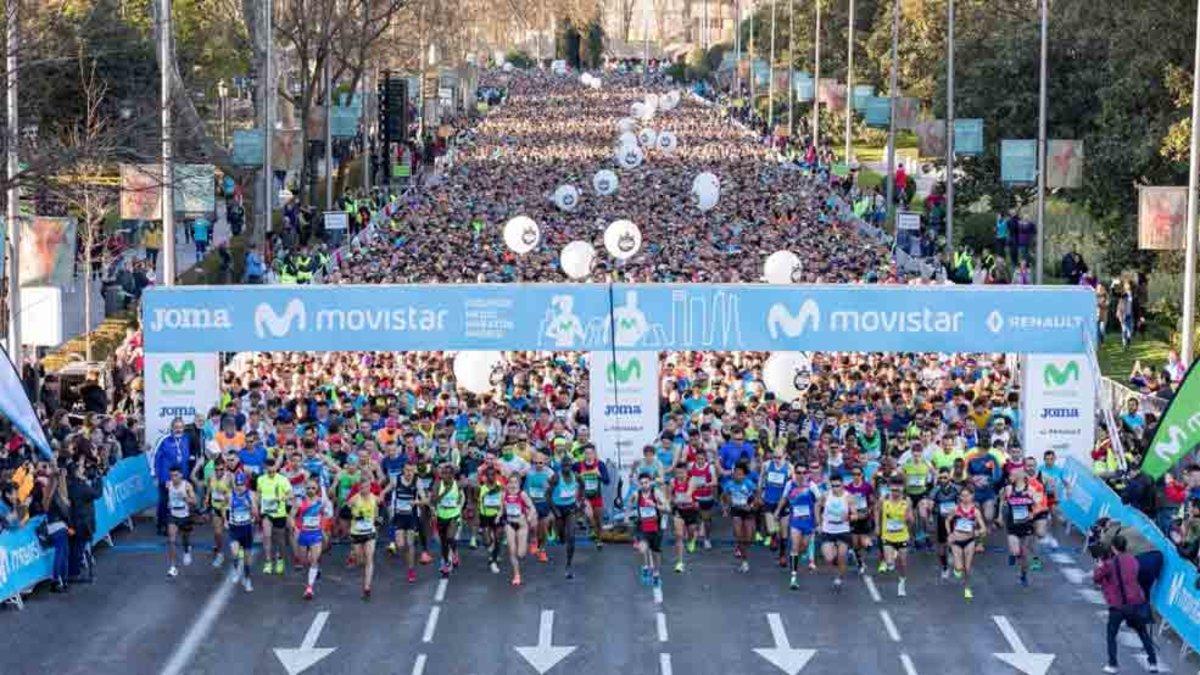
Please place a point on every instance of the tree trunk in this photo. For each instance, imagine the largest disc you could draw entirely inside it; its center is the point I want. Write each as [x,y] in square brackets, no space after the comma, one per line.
[188,125]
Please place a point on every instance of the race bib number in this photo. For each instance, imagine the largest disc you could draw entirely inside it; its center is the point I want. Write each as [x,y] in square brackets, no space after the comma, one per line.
[681,498]
[737,499]
[591,482]
[801,511]
[647,512]
[894,525]
[966,525]
[776,477]
[860,502]
[492,500]
[537,493]
[362,526]
[269,505]
[404,506]
[240,517]
[449,501]
[916,481]
[513,510]
[311,522]
[1020,513]
[946,508]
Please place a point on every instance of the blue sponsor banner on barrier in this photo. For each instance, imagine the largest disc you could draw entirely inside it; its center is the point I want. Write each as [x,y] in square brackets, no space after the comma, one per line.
[947,319]
[128,489]
[23,561]
[1087,499]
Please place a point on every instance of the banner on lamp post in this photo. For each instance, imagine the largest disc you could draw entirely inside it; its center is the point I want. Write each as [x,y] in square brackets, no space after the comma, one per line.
[1162,217]
[878,111]
[1064,164]
[931,138]
[968,136]
[1018,161]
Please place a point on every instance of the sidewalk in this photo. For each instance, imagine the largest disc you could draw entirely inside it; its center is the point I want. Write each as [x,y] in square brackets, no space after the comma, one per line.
[185,250]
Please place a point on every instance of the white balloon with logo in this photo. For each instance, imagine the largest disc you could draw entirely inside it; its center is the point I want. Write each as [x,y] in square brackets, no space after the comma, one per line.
[667,142]
[648,138]
[577,258]
[521,234]
[652,101]
[706,178]
[605,182]
[630,156]
[566,197]
[707,191]
[638,110]
[782,267]
[627,138]
[626,124]
[787,374]
[668,101]
[475,371]
[622,239]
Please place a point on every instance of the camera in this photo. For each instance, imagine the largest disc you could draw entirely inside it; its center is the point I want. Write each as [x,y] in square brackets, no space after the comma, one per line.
[1099,550]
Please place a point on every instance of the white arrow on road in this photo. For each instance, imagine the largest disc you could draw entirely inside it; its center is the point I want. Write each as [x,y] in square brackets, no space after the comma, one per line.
[782,655]
[298,660]
[544,656]
[1020,658]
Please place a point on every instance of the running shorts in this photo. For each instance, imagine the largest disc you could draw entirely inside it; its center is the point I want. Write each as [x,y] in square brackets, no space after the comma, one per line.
[362,538]
[243,535]
[652,539]
[1020,529]
[184,524]
[862,527]
[307,539]
[405,522]
[542,508]
[835,538]
[690,516]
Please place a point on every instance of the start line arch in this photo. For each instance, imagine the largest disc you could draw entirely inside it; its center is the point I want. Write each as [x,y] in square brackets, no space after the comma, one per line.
[186,327]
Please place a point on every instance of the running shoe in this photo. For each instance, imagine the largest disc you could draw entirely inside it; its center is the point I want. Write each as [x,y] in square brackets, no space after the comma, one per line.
[1024,580]
[744,567]
[308,593]
[958,574]
[656,581]
[691,546]
[412,576]
[173,571]
[533,549]
[599,545]
[1110,669]
[218,560]
[279,566]
[783,561]
[945,573]
[967,594]
[793,584]
[445,570]
[837,585]
[454,559]
[900,589]
[236,577]
[758,538]
[494,567]
[391,547]
[812,566]
[1036,564]
[426,558]
[862,569]
[1012,560]
[570,573]
[249,587]
[737,552]
[187,558]
[707,545]
[366,594]
[882,567]
[679,567]
[267,567]
[516,581]
[474,544]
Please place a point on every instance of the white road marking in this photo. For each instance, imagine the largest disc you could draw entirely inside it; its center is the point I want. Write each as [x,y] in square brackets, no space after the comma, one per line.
[419,665]
[1091,595]
[431,624]
[200,628]
[544,656]
[440,595]
[664,664]
[1062,558]
[872,589]
[909,668]
[1020,657]
[889,625]
[661,621]
[658,595]
[1073,574]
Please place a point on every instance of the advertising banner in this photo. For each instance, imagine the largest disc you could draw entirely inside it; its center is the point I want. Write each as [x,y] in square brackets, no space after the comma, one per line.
[623,403]
[195,189]
[23,561]
[1064,164]
[908,220]
[762,73]
[968,136]
[337,220]
[931,138]
[629,317]
[141,191]
[16,407]
[343,122]
[862,94]
[285,147]
[247,148]
[1059,406]
[178,385]
[804,87]
[1018,161]
[878,111]
[833,94]
[47,251]
[1162,217]
[907,109]
[128,489]
[1178,433]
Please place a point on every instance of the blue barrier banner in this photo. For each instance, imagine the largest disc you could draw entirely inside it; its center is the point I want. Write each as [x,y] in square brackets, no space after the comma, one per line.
[1018,161]
[1088,499]
[128,489]
[946,319]
[23,561]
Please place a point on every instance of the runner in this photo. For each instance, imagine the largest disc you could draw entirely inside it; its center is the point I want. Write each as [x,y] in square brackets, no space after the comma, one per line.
[861,523]
[963,528]
[536,483]
[219,487]
[895,520]
[945,499]
[738,494]
[308,515]
[649,506]
[774,478]
[364,509]
[274,495]
[447,497]
[406,497]
[703,477]
[181,500]
[567,495]
[918,476]
[800,502]
[243,513]
[593,473]
[833,513]
[1019,503]
[1041,514]
[491,497]
[519,519]
[687,513]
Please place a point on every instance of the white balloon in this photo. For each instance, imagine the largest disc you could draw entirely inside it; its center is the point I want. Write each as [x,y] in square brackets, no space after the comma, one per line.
[626,124]
[605,182]
[622,239]
[708,178]
[586,79]
[595,83]
[786,374]
[668,101]
[521,234]
[507,67]
[474,371]
[577,258]
[638,110]
[706,190]
[782,267]
[627,138]
[647,137]
[652,101]
[566,197]
[630,156]
[667,141]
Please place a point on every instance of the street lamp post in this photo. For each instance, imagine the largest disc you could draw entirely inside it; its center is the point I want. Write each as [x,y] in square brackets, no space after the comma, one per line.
[168,161]
[12,168]
[1189,274]
[771,72]
[892,92]
[950,129]
[268,105]
[223,97]
[849,79]
[816,115]
[1041,156]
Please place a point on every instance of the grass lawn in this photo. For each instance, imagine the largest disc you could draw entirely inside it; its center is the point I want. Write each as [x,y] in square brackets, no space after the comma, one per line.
[1117,362]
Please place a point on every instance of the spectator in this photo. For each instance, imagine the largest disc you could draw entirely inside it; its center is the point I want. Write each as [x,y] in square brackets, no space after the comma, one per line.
[1117,576]
[12,509]
[1026,231]
[1073,267]
[82,492]
[173,450]
[50,500]
[256,269]
[1001,235]
[95,399]
[1149,558]
[153,243]
[201,233]
[1175,367]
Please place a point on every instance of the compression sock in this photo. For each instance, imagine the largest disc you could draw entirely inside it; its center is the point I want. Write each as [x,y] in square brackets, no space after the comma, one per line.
[795,562]
[312,575]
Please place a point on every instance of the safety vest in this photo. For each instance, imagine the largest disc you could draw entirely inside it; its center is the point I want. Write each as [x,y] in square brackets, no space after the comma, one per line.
[304,268]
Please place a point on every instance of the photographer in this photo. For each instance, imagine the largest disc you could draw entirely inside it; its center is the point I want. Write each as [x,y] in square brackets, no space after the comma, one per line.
[1149,558]
[1117,575]
[84,487]
[50,500]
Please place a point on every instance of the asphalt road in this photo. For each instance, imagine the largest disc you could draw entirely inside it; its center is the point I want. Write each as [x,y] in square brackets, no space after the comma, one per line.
[711,619]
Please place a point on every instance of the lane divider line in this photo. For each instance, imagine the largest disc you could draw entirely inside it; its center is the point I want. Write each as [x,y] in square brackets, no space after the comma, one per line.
[440,595]
[889,625]
[872,589]
[200,628]
[419,665]
[658,595]
[909,668]
[661,621]
[664,664]
[1073,574]
[431,624]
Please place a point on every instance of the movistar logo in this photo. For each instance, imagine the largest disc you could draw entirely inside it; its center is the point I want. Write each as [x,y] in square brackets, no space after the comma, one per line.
[622,374]
[1054,376]
[169,374]
[1179,439]
[267,321]
[779,318]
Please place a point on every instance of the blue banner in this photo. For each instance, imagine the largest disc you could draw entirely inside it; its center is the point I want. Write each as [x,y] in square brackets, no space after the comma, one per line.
[1018,161]
[805,89]
[948,319]
[128,489]
[247,148]
[968,136]
[863,93]
[878,112]
[1086,499]
[23,561]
